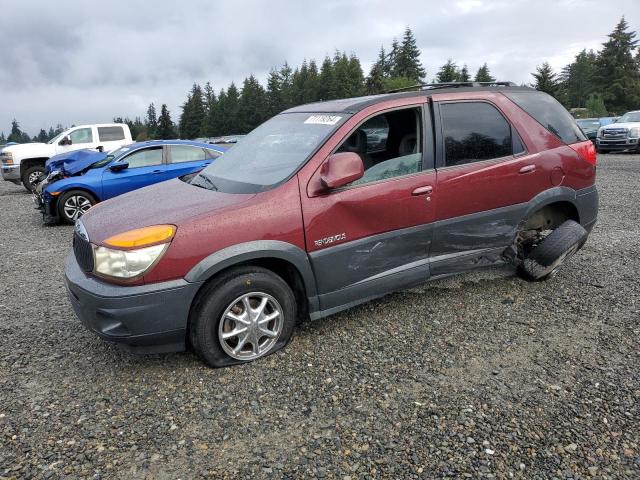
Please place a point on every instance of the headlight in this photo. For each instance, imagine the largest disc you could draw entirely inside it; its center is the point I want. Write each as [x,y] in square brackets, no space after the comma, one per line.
[8,158]
[600,132]
[126,263]
[634,132]
[135,252]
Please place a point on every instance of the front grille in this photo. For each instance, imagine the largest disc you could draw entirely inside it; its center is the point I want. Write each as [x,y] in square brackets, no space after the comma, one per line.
[83,252]
[615,132]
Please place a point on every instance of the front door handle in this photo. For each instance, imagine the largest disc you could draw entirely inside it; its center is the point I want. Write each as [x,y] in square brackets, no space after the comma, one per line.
[528,169]
[157,171]
[423,190]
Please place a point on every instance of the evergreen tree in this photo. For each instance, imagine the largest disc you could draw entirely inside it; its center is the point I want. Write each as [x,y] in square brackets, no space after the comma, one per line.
[298,83]
[50,134]
[463,75]
[407,59]
[42,137]
[576,80]
[16,134]
[312,87]
[193,114]
[209,99]
[483,75]
[228,103]
[545,79]
[166,128]
[275,103]
[392,61]
[252,106]
[3,140]
[286,86]
[616,71]
[377,74]
[448,72]
[151,121]
[595,106]
[327,90]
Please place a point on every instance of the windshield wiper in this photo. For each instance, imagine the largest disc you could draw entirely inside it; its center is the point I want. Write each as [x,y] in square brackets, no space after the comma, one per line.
[211,185]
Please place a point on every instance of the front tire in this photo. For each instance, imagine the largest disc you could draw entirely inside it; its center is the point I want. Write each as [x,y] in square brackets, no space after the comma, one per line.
[544,259]
[73,204]
[245,314]
[31,177]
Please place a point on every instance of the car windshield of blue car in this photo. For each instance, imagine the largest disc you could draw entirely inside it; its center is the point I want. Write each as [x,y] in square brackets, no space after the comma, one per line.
[270,154]
[629,117]
[106,160]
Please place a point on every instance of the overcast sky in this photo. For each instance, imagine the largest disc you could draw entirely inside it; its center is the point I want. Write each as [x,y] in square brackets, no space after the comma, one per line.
[75,62]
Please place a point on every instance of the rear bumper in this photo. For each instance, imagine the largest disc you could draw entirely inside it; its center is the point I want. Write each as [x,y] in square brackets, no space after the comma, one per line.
[587,202]
[11,173]
[143,319]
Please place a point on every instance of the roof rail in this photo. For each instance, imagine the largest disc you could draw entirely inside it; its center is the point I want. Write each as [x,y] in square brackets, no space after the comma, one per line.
[435,86]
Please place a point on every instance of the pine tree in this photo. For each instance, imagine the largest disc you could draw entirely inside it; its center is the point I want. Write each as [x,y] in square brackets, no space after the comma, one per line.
[312,87]
[151,121]
[576,80]
[595,106]
[327,90]
[209,99]
[463,75]
[407,59]
[252,106]
[616,71]
[545,79]
[50,134]
[42,136]
[377,74]
[483,75]
[3,140]
[286,82]
[275,103]
[392,61]
[16,134]
[448,72]
[228,111]
[166,128]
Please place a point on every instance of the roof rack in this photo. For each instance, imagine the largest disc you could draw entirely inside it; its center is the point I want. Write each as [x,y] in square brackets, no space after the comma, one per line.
[435,86]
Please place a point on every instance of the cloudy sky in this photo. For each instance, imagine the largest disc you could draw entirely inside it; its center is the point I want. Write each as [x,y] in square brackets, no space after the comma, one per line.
[74,62]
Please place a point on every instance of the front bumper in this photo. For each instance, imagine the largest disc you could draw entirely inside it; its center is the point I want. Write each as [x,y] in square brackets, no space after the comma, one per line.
[143,319]
[11,173]
[617,144]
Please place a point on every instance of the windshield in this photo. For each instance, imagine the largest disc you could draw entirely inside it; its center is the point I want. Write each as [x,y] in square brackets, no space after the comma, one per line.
[589,124]
[111,156]
[629,117]
[269,154]
[57,138]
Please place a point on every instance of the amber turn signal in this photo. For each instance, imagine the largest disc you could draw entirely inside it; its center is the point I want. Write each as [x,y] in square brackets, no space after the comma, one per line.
[142,237]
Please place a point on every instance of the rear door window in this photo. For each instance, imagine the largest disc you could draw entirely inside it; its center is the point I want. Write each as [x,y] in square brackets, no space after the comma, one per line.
[187,153]
[110,134]
[473,132]
[145,158]
[549,113]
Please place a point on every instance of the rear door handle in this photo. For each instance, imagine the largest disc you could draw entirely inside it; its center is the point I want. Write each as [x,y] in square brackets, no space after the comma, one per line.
[157,171]
[423,190]
[528,169]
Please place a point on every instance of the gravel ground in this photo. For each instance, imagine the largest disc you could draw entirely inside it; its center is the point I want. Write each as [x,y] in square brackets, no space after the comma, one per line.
[482,375]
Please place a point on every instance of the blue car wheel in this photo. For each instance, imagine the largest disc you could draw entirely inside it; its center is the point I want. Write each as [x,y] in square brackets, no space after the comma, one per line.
[73,204]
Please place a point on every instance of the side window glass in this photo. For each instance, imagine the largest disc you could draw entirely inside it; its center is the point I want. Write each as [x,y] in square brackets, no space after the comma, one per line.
[389,144]
[81,135]
[110,134]
[185,153]
[474,131]
[145,158]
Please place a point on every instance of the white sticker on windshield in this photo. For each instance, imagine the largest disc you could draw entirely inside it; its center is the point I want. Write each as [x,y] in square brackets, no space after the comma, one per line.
[323,119]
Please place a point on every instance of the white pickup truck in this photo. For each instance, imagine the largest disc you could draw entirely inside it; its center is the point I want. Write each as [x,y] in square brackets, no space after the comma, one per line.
[25,162]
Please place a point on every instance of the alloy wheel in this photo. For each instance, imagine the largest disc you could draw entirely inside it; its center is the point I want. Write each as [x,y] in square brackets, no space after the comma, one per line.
[250,326]
[75,206]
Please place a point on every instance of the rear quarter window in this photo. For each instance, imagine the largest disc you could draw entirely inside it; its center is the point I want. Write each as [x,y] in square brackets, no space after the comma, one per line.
[110,134]
[550,114]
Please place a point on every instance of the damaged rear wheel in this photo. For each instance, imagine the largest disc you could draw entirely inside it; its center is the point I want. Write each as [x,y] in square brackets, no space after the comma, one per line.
[543,255]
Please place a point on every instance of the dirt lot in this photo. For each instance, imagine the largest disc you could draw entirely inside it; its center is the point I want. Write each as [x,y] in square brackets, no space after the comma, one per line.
[479,375]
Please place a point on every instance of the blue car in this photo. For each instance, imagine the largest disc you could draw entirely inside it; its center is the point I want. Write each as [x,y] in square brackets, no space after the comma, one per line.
[74,183]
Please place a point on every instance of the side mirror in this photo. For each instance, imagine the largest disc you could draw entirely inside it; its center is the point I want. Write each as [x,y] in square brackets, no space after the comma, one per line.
[341,169]
[119,166]
[66,140]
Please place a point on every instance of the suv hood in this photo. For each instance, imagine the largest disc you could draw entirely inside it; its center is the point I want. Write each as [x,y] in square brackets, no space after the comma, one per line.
[173,202]
[75,162]
[621,125]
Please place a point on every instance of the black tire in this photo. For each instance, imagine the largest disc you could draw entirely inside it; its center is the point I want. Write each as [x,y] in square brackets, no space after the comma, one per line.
[545,259]
[64,211]
[216,297]
[31,173]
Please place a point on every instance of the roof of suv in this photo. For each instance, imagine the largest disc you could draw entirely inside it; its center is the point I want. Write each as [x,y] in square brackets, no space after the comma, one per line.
[353,105]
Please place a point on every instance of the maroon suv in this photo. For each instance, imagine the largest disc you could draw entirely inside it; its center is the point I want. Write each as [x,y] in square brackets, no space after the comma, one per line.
[331,204]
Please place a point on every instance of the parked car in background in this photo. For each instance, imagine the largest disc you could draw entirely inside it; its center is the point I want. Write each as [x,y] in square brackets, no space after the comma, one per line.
[608,120]
[623,135]
[302,219]
[25,163]
[71,188]
[590,127]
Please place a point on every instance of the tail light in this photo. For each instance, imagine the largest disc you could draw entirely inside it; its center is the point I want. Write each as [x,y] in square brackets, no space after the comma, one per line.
[586,150]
